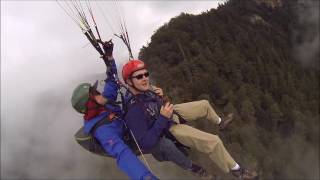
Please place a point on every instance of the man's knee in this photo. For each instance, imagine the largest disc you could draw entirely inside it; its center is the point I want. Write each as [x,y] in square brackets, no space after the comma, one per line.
[164,148]
[205,103]
[211,144]
[115,147]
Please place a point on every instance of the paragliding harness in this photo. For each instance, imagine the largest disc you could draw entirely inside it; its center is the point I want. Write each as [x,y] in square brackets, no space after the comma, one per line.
[90,143]
[134,100]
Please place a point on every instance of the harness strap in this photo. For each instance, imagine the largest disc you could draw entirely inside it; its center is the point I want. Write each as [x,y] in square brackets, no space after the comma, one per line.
[181,119]
[167,133]
[125,108]
[106,120]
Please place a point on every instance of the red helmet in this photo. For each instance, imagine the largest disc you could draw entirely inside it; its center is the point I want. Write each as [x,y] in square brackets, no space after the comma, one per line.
[130,67]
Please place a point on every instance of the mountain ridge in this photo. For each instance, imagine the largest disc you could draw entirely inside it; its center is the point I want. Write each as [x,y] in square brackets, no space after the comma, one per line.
[241,57]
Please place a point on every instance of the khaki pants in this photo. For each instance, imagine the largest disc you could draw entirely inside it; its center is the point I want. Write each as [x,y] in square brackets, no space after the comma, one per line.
[204,142]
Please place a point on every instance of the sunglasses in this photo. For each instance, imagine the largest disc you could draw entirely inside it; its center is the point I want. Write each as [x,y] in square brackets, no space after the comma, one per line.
[140,76]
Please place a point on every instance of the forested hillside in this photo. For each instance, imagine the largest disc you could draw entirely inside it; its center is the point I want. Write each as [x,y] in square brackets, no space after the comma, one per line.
[243,58]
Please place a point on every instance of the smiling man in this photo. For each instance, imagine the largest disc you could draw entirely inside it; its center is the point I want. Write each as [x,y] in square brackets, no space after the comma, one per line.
[150,130]
[152,118]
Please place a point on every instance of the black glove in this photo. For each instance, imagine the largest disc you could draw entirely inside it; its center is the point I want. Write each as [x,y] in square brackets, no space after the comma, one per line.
[108,47]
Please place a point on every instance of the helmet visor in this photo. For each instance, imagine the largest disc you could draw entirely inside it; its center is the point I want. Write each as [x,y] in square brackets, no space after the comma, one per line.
[93,89]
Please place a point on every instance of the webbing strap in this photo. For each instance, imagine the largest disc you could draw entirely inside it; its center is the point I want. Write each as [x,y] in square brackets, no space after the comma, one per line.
[105,120]
[181,119]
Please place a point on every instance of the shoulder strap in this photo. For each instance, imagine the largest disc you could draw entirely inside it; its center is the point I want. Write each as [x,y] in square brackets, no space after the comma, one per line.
[105,120]
[128,103]
[123,103]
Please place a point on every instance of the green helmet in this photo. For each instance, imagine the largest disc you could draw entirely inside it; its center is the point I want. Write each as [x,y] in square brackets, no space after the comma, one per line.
[80,96]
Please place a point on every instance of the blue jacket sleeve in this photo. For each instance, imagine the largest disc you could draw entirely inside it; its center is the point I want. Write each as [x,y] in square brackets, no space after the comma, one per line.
[110,90]
[112,70]
[137,121]
[111,87]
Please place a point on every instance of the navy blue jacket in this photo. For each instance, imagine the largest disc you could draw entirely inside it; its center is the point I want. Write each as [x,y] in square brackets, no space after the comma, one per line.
[144,119]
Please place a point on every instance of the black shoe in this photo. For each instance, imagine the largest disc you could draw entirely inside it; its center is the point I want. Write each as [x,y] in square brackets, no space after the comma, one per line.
[226,121]
[200,172]
[245,174]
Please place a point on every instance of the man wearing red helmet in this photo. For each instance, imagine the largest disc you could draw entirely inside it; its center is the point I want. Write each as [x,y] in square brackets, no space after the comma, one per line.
[150,132]
[150,117]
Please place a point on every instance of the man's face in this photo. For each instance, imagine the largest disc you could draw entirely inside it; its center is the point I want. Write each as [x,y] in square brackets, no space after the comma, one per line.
[140,80]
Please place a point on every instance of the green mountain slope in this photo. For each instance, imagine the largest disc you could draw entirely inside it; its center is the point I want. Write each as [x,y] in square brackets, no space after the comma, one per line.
[243,58]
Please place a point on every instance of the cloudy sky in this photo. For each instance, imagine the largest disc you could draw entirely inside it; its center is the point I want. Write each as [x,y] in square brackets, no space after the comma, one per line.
[44,55]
